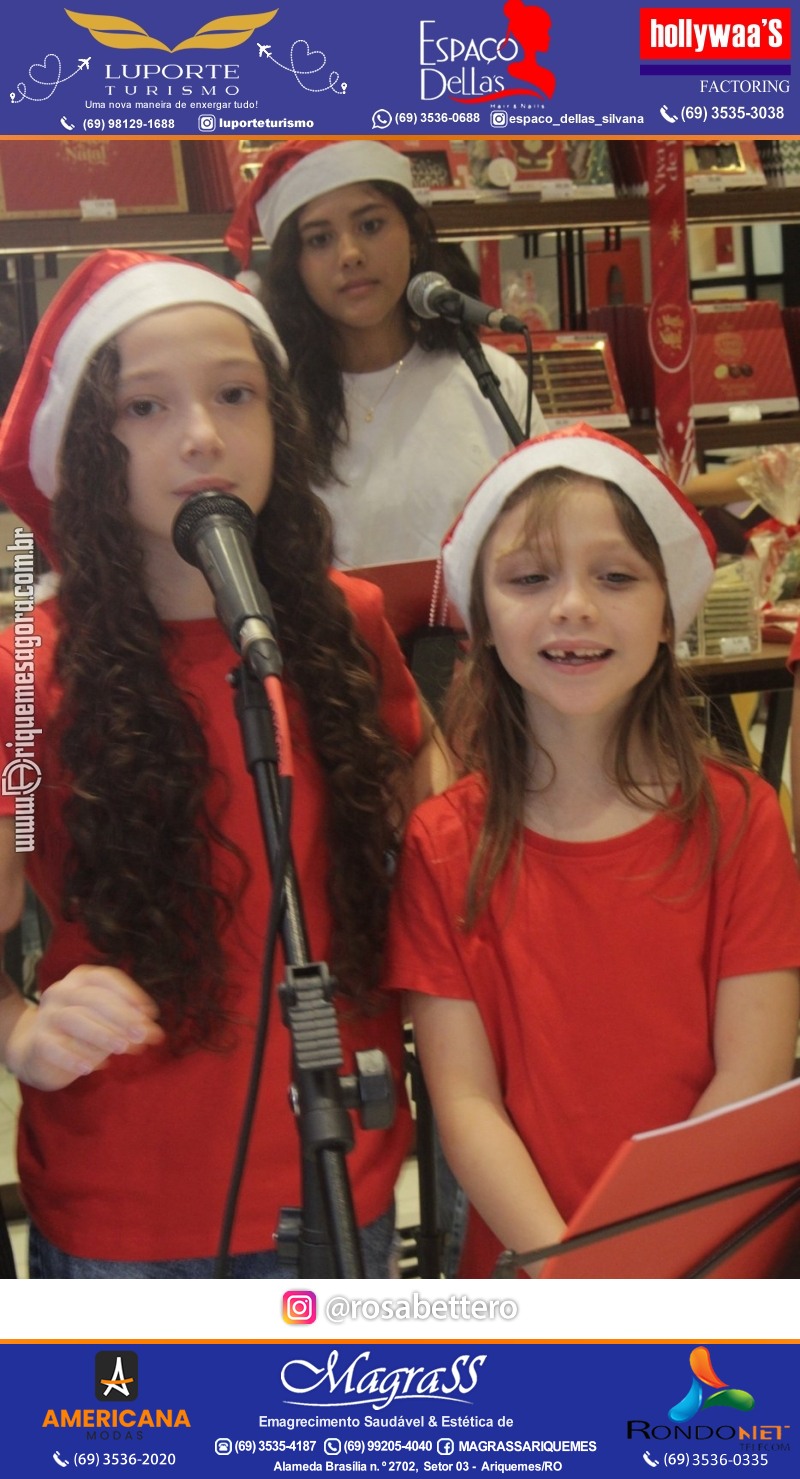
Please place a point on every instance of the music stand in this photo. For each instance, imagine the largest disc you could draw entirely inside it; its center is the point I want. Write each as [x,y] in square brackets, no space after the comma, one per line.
[714,1197]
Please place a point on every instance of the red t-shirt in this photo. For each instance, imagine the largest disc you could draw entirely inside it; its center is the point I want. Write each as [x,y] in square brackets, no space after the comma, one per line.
[794,650]
[594,966]
[133,1162]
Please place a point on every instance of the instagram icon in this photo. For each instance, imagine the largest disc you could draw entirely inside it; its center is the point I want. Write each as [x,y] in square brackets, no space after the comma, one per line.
[300,1307]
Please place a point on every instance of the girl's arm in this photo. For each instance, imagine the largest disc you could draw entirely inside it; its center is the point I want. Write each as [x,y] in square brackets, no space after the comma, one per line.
[755,1035]
[482,1147]
[720,486]
[81,1021]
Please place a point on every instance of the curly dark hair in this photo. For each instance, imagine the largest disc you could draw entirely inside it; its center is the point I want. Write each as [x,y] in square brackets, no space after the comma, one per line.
[310,337]
[138,873]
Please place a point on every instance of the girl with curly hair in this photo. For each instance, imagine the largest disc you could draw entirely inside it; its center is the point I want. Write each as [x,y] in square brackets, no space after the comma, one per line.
[599,925]
[149,380]
[401,430]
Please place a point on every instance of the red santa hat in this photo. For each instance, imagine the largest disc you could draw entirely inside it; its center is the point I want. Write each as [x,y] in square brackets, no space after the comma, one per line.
[687,547]
[104,295]
[296,173]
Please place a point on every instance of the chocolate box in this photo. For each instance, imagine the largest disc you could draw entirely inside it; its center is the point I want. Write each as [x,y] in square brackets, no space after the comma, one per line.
[61,177]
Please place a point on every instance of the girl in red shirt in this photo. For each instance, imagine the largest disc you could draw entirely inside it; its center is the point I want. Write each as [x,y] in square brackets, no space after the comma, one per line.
[150,380]
[600,924]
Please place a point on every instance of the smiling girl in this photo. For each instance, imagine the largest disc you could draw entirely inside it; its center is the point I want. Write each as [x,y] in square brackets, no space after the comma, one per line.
[599,925]
[150,380]
[401,431]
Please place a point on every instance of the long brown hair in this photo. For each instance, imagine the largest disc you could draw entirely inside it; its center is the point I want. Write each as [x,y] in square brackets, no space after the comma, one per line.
[138,874]
[489,730]
[310,337]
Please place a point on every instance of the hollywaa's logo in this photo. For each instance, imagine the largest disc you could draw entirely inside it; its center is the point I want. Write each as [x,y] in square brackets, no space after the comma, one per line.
[527,36]
[125,35]
[704,1377]
[715,34]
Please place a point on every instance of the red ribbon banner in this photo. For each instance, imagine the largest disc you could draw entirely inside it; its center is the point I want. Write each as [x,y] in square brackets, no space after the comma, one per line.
[670,321]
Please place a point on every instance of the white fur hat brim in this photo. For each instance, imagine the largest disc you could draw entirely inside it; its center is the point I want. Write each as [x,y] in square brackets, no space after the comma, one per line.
[686,544]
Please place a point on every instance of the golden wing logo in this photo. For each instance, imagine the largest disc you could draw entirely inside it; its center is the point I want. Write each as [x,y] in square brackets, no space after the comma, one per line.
[125,35]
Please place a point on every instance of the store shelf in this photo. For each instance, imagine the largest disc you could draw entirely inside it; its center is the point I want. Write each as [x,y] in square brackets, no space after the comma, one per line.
[519,214]
[187,233]
[455,220]
[711,435]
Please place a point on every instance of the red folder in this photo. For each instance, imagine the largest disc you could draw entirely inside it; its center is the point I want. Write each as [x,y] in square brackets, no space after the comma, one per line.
[408,590]
[651,1171]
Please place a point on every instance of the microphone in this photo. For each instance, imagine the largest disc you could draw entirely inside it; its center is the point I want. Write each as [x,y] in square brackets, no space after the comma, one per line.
[431,296]
[214,532]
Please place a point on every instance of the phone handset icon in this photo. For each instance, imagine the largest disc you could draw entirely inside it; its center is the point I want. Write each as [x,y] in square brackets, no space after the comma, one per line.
[59,1460]
[665,113]
[653,1462]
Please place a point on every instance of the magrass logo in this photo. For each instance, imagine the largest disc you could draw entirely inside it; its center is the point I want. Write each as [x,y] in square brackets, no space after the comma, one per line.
[698,1397]
[116,1376]
[127,35]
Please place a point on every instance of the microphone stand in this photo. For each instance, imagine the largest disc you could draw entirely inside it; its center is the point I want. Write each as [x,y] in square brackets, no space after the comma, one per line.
[471,351]
[322,1238]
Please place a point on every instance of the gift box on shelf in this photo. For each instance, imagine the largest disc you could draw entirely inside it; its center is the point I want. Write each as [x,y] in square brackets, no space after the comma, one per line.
[440,168]
[90,178]
[789,157]
[728,623]
[740,357]
[546,168]
[722,164]
[574,377]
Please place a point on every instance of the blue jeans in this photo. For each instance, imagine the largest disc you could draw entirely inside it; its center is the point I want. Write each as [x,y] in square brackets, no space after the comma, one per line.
[45,1261]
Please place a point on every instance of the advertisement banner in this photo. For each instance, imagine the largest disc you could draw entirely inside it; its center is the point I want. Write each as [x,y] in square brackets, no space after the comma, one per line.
[384,1409]
[464,67]
[630,140]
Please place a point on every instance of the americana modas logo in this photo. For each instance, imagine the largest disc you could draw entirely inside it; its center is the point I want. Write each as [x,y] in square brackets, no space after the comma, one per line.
[116,1376]
[127,35]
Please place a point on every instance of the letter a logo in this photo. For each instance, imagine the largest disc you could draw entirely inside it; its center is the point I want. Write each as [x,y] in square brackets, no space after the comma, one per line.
[116,1376]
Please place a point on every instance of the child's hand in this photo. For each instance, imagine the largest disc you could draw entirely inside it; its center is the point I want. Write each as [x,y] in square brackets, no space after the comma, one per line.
[81,1021]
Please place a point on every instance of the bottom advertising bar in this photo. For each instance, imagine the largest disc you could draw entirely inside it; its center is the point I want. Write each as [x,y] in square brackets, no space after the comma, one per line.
[382,1408]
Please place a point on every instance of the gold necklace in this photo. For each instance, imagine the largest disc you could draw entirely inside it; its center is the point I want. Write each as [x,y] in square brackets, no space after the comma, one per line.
[368,412]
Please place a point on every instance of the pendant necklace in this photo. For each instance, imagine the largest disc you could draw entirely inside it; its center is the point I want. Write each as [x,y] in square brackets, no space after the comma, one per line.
[368,412]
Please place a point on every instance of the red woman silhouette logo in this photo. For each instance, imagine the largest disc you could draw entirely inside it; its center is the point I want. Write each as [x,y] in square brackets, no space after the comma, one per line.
[530,27]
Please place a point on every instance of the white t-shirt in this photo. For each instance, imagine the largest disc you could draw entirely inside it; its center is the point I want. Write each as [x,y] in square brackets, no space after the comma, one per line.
[407,472]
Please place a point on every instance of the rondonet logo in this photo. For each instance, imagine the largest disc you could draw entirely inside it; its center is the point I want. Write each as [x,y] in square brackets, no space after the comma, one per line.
[718,34]
[707,1390]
